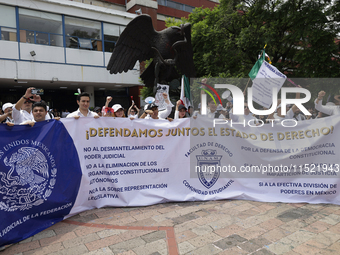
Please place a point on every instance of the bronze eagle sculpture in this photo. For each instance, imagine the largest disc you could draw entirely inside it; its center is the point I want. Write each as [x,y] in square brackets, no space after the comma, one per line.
[170,50]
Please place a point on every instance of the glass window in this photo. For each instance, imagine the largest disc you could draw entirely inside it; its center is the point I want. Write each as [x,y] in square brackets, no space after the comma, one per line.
[175,5]
[111,34]
[161,2]
[8,23]
[7,16]
[188,8]
[8,34]
[77,29]
[40,27]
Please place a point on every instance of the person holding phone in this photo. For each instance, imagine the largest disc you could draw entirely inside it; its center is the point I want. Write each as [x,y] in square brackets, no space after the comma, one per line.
[22,111]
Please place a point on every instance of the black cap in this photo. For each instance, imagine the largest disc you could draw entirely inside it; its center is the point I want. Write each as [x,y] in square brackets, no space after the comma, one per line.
[180,107]
[97,109]
[152,105]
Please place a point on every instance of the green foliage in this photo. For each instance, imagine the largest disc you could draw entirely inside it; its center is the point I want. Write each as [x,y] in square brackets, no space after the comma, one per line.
[172,22]
[146,92]
[300,37]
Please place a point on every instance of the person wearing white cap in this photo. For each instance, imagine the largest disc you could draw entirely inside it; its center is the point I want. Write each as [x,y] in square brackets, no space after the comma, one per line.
[7,116]
[118,111]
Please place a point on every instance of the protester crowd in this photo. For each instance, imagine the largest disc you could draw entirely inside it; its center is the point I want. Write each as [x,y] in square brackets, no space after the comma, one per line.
[30,109]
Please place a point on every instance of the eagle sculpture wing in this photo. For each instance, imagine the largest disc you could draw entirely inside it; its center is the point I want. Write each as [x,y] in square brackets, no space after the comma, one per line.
[185,62]
[133,44]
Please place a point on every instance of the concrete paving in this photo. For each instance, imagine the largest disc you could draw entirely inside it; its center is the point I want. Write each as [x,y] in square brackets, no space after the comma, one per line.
[198,228]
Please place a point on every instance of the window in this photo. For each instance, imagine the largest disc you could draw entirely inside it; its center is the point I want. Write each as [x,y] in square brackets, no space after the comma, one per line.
[40,27]
[175,5]
[161,2]
[83,34]
[8,23]
[111,34]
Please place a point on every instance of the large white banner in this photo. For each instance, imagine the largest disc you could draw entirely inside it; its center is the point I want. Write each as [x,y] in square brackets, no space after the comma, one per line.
[139,162]
[60,168]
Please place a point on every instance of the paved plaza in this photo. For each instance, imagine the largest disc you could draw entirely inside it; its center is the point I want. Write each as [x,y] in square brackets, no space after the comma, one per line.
[199,228]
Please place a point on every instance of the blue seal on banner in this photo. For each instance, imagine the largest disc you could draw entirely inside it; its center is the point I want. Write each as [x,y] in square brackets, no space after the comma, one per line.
[208,163]
[40,176]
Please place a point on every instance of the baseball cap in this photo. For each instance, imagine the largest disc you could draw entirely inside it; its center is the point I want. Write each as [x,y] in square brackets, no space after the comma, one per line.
[7,105]
[152,105]
[220,108]
[97,109]
[116,107]
[180,107]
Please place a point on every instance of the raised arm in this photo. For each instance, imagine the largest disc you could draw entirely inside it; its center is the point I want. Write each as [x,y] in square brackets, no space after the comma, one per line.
[322,108]
[28,94]
[108,100]
[129,110]
[164,114]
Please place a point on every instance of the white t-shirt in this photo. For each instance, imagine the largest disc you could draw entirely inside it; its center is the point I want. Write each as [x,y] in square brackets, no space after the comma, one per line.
[133,116]
[78,113]
[22,116]
[327,109]
[162,114]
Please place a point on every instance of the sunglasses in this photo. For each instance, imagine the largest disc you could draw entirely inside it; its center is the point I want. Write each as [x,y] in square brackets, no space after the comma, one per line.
[245,107]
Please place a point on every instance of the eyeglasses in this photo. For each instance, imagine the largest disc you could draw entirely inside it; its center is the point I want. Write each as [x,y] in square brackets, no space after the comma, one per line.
[245,107]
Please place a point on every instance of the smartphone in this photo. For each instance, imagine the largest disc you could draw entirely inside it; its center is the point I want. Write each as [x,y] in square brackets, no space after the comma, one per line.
[38,91]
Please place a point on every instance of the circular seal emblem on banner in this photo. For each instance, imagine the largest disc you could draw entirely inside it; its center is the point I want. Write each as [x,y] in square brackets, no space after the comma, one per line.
[29,179]
[207,159]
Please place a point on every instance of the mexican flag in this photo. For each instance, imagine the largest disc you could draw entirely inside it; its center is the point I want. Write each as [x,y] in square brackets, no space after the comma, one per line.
[253,72]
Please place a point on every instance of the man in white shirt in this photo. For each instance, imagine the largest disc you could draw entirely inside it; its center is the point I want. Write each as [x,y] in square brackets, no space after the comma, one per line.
[327,109]
[22,111]
[83,100]
[39,112]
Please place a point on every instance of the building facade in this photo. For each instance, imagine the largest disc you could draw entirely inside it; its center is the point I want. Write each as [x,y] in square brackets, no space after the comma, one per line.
[63,45]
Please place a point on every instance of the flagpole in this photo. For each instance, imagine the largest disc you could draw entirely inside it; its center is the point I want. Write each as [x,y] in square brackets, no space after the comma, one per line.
[246,86]
[292,82]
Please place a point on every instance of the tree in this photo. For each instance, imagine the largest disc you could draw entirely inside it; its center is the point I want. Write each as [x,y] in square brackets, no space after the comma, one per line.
[299,34]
